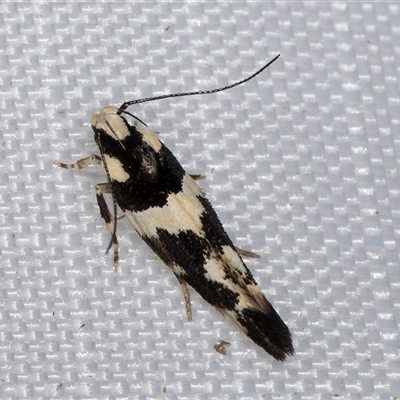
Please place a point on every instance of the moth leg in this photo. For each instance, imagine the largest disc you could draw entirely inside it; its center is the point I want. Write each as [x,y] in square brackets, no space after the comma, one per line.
[186,295]
[197,177]
[246,253]
[101,189]
[82,163]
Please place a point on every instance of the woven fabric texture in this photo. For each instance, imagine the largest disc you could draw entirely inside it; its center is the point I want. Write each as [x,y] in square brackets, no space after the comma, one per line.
[301,164]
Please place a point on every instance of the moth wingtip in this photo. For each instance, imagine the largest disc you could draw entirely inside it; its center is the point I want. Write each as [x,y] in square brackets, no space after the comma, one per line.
[266,329]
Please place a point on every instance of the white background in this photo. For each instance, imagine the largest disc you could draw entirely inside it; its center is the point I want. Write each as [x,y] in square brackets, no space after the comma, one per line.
[302,167]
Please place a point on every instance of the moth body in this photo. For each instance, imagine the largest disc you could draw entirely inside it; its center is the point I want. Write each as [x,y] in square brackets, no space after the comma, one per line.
[168,209]
[170,212]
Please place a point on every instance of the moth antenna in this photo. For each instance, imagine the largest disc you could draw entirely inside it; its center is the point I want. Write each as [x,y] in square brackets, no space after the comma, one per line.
[125,105]
[133,116]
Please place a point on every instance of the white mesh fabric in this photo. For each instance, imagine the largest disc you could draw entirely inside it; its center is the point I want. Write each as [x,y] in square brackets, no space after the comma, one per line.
[301,164]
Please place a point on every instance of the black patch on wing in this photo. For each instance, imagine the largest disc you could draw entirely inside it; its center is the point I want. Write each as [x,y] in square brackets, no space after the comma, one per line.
[212,226]
[216,235]
[153,176]
[268,331]
[191,252]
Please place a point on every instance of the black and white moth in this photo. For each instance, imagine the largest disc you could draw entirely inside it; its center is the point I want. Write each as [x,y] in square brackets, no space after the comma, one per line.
[170,212]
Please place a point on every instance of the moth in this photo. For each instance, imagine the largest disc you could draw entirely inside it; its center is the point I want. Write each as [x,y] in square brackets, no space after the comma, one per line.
[171,213]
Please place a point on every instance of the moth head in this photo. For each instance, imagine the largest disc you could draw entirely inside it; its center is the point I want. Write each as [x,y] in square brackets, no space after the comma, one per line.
[108,121]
